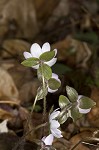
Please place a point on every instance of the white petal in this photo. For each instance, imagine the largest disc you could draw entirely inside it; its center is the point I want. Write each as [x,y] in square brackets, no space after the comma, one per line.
[54,124]
[45,47]
[84,111]
[79,97]
[54,75]
[55,52]
[36,50]
[56,133]
[54,114]
[48,140]
[51,91]
[27,55]
[51,62]
[35,67]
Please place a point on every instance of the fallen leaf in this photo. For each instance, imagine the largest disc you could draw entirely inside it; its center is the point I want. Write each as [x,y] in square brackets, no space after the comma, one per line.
[19,17]
[77,138]
[5,114]
[45,9]
[14,47]
[3,126]
[7,85]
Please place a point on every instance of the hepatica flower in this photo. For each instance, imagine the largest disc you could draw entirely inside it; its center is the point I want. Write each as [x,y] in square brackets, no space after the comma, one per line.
[39,55]
[54,124]
[53,83]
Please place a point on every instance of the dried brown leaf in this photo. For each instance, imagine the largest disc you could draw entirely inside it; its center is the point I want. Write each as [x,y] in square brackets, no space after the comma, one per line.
[14,47]
[19,17]
[7,85]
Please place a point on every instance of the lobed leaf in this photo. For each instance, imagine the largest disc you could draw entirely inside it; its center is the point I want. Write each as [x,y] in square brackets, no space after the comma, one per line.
[86,102]
[45,71]
[30,62]
[53,84]
[72,94]
[74,113]
[47,56]
[63,101]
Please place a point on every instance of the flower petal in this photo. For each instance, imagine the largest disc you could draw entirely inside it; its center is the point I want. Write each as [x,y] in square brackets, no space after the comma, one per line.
[51,62]
[48,140]
[54,75]
[56,133]
[36,50]
[54,114]
[51,91]
[45,47]
[79,97]
[84,111]
[55,52]
[35,67]
[54,124]
[27,55]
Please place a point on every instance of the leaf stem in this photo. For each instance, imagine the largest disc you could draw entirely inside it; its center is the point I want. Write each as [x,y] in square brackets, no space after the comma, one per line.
[44,98]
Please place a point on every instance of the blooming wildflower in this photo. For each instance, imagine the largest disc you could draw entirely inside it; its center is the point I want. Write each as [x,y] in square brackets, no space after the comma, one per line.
[48,140]
[82,111]
[36,51]
[54,124]
[54,76]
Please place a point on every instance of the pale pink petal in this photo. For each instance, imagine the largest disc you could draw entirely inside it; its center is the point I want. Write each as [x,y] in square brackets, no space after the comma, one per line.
[27,55]
[45,47]
[36,50]
[56,133]
[54,114]
[48,140]
[51,62]
[84,111]
[54,124]
[35,67]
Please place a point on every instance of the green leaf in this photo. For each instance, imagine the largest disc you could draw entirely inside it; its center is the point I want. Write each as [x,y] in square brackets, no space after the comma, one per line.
[41,93]
[30,62]
[60,68]
[74,113]
[45,71]
[90,37]
[53,84]
[86,102]
[63,101]
[72,93]
[47,56]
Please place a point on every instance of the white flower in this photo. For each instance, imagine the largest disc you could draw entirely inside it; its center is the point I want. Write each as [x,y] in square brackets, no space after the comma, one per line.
[55,76]
[48,140]
[82,111]
[54,124]
[36,51]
